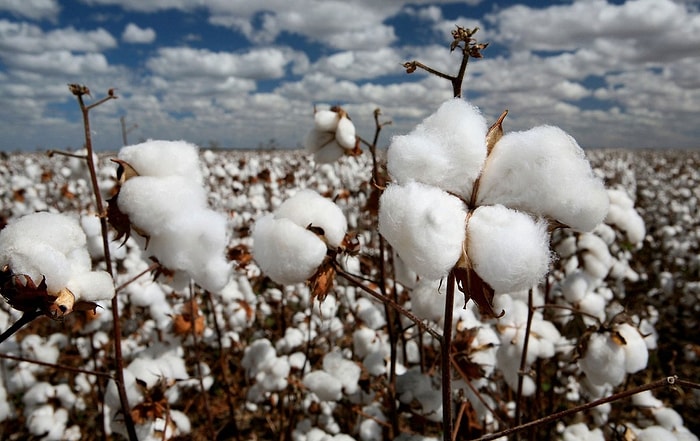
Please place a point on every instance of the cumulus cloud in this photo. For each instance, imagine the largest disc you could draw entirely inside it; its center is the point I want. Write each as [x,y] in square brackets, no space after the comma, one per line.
[28,38]
[134,34]
[32,9]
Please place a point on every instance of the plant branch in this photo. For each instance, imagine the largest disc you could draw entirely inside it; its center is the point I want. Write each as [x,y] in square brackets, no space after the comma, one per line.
[523,358]
[58,366]
[26,318]
[446,348]
[671,381]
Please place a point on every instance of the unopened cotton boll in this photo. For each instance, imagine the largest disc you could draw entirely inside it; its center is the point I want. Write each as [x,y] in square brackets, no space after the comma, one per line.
[286,252]
[544,171]
[425,225]
[508,249]
[308,208]
[446,150]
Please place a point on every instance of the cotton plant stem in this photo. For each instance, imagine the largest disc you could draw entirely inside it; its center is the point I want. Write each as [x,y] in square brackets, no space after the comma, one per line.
[446,349]
[116,324]
[523,359]
[62,367]
[671,381]
[198,368]
[19,324]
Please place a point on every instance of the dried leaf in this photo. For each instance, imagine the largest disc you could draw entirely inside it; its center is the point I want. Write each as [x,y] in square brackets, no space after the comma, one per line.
[322,281]
[240,254]
[474,287]
[495,132]
[22,293]
[118,220]
[182,323]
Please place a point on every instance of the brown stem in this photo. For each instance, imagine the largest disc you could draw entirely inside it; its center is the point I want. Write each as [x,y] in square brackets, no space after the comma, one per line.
[118,357]
[19,324]
[398,308]
[672,381]
[57,366]
[446,349]
[198,368]
[523,359]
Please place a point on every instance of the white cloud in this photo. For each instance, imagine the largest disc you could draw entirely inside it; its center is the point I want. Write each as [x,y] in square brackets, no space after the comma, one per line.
[28,38]
[32,9]
[134,34]
[357,65]
[61,62]
[262,63]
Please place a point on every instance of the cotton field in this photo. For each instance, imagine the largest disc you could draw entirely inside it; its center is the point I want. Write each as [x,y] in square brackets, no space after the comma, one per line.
[228,341]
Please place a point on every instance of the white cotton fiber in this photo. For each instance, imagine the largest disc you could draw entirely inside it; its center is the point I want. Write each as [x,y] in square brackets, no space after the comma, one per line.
[286,252]
[623,215]
[446,150]
[326,386]
[53,246]
[508,249]
[544,171]
[326,120]
[91,286]
[307,207]
[164,158]
[345,134]
[603,361]
[425,225]
[346,371]
[636,352]
[153,202]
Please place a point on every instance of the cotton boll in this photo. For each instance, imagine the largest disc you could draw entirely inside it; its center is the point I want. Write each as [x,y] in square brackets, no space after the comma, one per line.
[425,225]
[91,286]
[636,353]
[324,147]
[581,432]
[604,360]
[646,399]
[164,158]
[348,372]
[326,386]
[446,150]
[326,120]
[545,172]
[345,133]
[37,260]
[575,286]
[153,202]
[286,252]
[508,249]
[307,207]
[427,302]
[655,433]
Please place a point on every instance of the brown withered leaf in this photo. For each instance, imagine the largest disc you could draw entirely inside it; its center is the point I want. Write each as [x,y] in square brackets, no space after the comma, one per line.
[474,287]
[23,294]
[240,254]
[154,405]
[183,323]
[495,132]
[322,281]
[118,220]
[350,244]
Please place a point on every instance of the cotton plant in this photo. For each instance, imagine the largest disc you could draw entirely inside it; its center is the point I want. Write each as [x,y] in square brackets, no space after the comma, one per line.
[161,197]
[46,266]
[467,198]
[332,136]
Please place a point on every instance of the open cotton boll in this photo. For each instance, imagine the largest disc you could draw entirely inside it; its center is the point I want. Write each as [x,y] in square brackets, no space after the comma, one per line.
[604,360]
[164,158]
[286,252]
[347,371]
[446,150]
[636,352]
[425,225]
[91,286]
[345,133]
[544,171]
[307,207]
[581,432]
[324,146]
[623,215]
[153,202]
[326,120]
[326,386]
[508,249]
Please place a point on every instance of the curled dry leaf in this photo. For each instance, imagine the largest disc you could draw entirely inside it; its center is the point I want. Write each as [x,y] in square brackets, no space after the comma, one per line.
[183,322]
[322,281]
[23,294]
[116,218]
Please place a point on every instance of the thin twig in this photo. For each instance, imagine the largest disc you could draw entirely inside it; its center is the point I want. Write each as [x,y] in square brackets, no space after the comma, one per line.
[58,366]
[446,348]
[20,323]
[523,358]
[671,381]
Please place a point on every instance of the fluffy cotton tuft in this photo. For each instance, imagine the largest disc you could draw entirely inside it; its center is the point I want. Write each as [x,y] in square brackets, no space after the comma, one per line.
[446,150]
[164,158]
[308,208]
[494,229]
[53,246]
[167,203]
[544,171]
[636,352]
[333,133]
[425,225]
[286,252]
[623,215]
[604,360]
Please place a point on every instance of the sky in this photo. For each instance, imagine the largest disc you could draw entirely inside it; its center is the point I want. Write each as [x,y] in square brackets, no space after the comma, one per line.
[248,74]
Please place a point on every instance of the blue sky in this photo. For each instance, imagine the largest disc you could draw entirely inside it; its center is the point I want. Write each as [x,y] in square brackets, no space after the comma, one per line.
[239,73]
